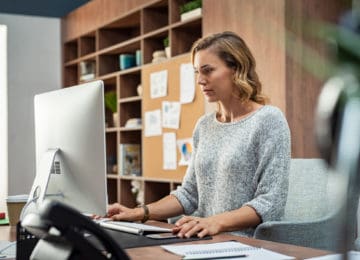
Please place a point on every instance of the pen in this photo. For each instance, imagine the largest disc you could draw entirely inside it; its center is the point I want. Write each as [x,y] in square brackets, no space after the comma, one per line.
[190,257]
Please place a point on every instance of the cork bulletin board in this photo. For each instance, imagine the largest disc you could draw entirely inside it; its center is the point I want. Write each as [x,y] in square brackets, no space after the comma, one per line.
[152,146]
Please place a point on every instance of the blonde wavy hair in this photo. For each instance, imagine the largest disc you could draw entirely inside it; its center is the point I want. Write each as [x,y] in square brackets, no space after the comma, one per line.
[231,49]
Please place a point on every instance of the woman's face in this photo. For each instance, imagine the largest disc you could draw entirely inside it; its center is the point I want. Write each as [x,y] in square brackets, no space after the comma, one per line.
[213,76]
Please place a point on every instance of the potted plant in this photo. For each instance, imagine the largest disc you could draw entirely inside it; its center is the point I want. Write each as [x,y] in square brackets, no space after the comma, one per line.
[111,104]
[190,9]
[167,47]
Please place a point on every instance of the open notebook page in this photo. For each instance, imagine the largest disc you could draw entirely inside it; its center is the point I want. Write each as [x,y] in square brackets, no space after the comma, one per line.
[224,249]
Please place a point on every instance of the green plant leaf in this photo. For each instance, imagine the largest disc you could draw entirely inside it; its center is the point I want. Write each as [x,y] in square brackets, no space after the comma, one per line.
[190,6]
[111,101]
[166,41]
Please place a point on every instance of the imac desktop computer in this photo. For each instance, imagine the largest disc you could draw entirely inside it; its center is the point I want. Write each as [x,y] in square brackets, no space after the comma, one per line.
[70,149]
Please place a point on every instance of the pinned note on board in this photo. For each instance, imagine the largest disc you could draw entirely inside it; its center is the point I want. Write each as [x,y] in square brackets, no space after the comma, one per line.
[158,84]
[187,83]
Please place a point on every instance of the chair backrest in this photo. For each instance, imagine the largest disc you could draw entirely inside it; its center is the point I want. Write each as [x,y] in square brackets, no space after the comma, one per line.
[307,194]
[314,212]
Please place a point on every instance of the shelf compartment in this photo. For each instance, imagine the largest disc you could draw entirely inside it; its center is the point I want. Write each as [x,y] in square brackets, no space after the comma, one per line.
[71,50]
[71,75]
[120,30]
[154,191]
[126,196]
[128,111]
[129,83]
[152,43]
[109,83]
[155,16]
[112,189]
[130,137]
[87,44]
[184,35]
[111,152]
[109,60]
[110,86]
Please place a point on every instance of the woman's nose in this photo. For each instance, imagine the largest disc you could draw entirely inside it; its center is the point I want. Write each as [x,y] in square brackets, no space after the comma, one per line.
[200,80]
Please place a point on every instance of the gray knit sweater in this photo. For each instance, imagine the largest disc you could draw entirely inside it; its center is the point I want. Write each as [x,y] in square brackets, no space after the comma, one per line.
[240,163]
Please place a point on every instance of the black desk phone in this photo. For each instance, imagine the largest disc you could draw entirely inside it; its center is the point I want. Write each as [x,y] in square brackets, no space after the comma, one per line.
[63,232]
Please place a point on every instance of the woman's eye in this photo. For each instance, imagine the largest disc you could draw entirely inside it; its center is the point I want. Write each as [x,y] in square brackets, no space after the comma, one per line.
[207,70]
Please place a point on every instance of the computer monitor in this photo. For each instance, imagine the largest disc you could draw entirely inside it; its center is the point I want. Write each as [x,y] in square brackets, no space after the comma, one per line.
[70,148]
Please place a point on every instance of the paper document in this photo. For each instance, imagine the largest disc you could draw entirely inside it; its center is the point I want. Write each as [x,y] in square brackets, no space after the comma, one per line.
[224,249]
[134,228]
[7,250]
[169,151]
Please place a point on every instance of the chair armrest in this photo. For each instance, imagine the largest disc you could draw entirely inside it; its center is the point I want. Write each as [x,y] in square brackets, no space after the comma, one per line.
[303,233]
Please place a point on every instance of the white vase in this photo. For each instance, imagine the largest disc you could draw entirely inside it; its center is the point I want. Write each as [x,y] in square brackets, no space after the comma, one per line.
[168,52]
[116,119]
[139,90]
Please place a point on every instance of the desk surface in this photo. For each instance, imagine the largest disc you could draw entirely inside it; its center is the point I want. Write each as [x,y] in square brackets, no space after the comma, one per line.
[156,252]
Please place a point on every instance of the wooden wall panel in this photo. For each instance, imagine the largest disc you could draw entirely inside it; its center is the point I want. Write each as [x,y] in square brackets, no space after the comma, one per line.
[304,83]
[95,14]
[261,24]
[275,32]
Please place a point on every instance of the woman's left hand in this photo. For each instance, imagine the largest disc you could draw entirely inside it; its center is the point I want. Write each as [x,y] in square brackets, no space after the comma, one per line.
[189,226]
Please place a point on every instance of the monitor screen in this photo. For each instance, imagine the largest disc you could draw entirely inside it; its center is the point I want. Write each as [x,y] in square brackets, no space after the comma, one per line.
[70,148]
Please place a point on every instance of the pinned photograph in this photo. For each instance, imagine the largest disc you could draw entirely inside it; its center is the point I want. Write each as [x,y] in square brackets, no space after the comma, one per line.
[185,147]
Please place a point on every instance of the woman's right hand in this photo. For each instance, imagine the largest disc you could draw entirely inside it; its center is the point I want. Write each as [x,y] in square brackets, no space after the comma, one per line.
[119,212]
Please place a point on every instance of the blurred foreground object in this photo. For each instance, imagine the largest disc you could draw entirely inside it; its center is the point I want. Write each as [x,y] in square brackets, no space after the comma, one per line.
[338,119]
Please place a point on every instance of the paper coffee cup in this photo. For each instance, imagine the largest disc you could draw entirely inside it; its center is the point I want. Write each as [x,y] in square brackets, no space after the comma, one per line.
[14,206]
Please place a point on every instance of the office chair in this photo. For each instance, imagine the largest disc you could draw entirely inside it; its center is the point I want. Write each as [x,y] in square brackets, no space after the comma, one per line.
[313,209]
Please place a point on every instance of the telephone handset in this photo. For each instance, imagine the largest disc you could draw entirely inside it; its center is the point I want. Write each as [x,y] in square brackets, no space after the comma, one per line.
[63,233]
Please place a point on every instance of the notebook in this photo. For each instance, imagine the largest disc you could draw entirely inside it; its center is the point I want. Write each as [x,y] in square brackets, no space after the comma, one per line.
[134,228]
[224,250]
[352,255]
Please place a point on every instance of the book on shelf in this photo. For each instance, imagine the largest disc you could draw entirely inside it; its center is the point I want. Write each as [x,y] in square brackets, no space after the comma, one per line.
[130,159]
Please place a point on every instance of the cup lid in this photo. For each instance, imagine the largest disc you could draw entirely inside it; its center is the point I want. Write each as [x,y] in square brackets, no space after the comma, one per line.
[17,198]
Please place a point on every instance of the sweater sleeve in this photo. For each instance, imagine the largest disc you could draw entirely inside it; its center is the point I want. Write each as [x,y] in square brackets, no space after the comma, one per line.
[272,174]
[187,193]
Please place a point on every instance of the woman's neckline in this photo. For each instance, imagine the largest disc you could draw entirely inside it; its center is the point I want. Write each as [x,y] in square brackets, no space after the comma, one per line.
[241,119]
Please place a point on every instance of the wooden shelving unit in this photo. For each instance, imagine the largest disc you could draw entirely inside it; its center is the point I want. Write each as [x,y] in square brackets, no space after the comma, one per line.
[128,25]
[143,28]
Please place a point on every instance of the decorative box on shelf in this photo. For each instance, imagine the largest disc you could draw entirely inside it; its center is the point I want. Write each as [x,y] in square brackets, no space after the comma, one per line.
[87,70]
[193,13]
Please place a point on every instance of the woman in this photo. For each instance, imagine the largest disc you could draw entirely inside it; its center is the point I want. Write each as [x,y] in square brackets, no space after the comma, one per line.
[238,175]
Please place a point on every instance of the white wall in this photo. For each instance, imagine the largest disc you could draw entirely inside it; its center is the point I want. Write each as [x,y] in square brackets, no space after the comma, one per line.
[34,66]
[3,117]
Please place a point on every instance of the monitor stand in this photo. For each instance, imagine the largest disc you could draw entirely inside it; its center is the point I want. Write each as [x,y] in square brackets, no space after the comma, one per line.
[39,187]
